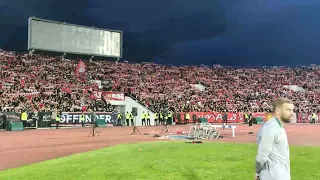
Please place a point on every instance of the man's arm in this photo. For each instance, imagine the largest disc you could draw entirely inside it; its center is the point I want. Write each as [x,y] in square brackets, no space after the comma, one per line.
[264,148]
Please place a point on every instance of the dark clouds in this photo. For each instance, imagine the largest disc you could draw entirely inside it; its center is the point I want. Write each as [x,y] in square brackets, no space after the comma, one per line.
[14,16]
[229,32]
[263,33]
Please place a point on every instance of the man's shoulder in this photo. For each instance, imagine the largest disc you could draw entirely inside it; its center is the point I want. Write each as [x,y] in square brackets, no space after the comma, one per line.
[269,127]
[271,122]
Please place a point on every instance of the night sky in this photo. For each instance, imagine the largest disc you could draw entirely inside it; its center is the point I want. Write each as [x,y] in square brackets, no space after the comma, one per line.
[226,32]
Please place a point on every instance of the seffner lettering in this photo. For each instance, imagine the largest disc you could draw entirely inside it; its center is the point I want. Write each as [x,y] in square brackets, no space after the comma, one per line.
[68,118]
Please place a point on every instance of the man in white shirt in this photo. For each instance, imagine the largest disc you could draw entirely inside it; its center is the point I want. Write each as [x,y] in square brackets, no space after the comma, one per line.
[272,160]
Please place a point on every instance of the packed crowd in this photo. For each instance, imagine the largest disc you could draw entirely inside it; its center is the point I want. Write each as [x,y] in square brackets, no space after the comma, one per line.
[37,83]
[42,82]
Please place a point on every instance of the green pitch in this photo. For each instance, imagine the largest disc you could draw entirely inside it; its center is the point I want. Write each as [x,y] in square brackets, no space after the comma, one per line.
[165,161]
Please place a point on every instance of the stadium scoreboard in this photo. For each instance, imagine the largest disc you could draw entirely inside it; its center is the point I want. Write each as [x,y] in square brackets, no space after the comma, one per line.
[47,35]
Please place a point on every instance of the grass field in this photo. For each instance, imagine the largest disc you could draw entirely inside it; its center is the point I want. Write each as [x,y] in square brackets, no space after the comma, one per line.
[165,161]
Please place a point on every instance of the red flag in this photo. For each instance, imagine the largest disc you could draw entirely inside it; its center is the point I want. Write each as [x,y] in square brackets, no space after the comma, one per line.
[81,68]
[22,82]
[68,91]
[93,97]
[81,71]
[29,97]
[10,59]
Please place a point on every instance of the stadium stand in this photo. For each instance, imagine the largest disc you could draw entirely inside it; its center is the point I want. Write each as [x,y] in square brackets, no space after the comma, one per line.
[43,82]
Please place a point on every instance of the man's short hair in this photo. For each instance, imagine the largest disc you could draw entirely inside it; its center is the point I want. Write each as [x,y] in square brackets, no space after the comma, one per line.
[279,102]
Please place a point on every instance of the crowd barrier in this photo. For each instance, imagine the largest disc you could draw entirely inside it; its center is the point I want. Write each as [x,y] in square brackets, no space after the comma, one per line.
[10,121]
[44,119]
[306,118]
[216,117]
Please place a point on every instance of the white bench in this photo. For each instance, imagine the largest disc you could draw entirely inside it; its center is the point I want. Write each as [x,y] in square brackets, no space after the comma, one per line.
[227,127]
